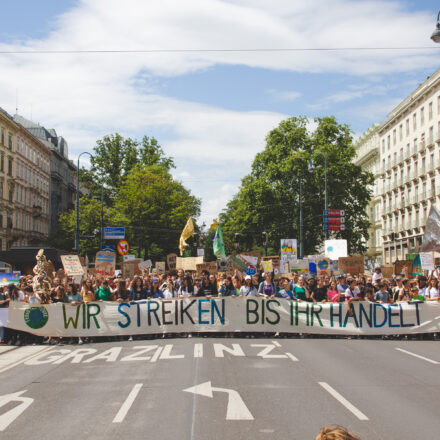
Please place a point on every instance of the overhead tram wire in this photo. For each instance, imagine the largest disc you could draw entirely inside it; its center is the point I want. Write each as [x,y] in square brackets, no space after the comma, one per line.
[291,49]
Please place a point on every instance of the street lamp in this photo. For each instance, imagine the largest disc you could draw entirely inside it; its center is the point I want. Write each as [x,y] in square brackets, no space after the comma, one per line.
[265,237]
[311,169]
[93,169]
[236,241]
[436,34]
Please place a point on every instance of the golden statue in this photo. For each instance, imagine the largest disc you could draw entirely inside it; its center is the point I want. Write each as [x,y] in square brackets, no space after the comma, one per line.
[42,280]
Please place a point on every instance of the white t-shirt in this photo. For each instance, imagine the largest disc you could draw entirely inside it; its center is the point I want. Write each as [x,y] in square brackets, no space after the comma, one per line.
[433,293]
[248,291]
[167,294]
[352,293]
[377,276]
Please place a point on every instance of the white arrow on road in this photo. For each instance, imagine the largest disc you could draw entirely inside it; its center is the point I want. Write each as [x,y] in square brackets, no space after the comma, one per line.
[236,410]
[8,417]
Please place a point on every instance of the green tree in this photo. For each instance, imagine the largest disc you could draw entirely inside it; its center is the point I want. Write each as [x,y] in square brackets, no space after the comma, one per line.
[154,208]
[268,199]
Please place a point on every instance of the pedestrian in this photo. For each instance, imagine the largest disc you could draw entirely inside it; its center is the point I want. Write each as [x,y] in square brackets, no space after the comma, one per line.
[248,289]
[335,433]
[267,288]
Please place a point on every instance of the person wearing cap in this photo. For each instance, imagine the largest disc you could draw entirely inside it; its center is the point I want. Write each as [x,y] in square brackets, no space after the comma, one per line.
[103,292]
[248,289]
[155,291]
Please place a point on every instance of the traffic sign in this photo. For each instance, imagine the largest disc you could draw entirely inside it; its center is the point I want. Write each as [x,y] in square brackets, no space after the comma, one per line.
[114,233]
[334,212]
[334,219]
[123,247]
[108,247]
[334,227]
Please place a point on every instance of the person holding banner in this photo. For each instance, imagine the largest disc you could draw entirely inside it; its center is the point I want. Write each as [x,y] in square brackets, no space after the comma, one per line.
[227,288]
[137,291]
[286,291]
[405,291]
[433,291]
[267,288]
[103,292]
[301,291]
[248,289]
[187,288]
[155,291]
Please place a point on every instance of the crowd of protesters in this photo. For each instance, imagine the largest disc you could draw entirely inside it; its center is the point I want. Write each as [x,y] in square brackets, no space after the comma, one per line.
[180,284]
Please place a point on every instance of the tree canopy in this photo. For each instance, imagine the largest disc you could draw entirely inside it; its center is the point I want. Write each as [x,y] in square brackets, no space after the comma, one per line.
[268,198]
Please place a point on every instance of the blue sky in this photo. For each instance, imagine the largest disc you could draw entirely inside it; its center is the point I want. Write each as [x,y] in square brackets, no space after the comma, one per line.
[210,111]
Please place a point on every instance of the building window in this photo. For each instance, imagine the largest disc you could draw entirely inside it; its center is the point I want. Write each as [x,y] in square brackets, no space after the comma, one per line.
[430,111]
[414,121]
[431,135]
[9,166]
[400,132]
[10,141]
[422,115]
[394,137]
[11,193]
[407,127]
[438,105]
[383,145]
[2,162]
[389,142]
[1,189]
[3,136]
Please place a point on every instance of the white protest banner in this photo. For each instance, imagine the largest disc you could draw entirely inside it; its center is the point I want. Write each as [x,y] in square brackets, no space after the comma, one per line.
[200,252]
[426,261]
[223,315]
[299,266]
[72,265]
[335,249]
[129,257]
[3,317]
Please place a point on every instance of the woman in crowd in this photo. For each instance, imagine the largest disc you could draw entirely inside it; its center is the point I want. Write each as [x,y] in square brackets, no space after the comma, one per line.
[121,292]
[187,287]
[169,292]
[301,291]
[286,291]
[227,289]
[267,288]
[155,291]
[103,292]
[432,292]
[137,291]
[248,289]
[332,292]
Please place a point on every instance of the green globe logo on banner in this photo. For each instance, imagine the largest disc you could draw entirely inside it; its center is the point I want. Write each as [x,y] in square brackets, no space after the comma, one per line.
[36,317]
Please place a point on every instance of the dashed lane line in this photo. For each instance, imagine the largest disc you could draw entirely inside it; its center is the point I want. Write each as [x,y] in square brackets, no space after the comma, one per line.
[120,416]
[418,356]
[341,399]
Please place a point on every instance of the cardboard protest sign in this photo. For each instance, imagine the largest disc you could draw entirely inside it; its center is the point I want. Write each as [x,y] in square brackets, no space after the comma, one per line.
[131,268]
[400,265]
[72,265]
[253,254]
[171,261]
[129,257]
[288,252]
[251,260]
[211,267]
[387,270]
[225,265]
[105,263]
[239,263]
[145,265]
[275,264]
[160,266]
[323,265]
[426,261]
[188,263]
[351,265]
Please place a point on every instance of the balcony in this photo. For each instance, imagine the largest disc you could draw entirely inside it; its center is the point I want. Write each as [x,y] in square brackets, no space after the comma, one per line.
[55,175]
[36,211]
[430,143]
[431,167]
[415,149]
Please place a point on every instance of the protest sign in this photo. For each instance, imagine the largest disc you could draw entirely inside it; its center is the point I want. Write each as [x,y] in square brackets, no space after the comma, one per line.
[401,265]
[334,249]
[105,263]
[130,268]
[238,263]
[222,315]
[426,261]
[267,266]
[129,257]
[200,252]
[323,265]
[431,239]
[171,261]
[275,264]
[211,267]
[188,263]
[225,265]
[72,265]
[351,265]
[299,266]
[387,270]
[251,260]
[252,254]
[145,265]
[160,266]
[9,278]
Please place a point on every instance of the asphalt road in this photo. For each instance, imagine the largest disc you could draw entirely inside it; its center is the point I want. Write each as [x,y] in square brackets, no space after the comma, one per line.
[280,389]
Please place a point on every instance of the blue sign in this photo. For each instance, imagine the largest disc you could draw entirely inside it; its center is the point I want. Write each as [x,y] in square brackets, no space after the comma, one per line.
[114,233]
[250,271]
[108,247]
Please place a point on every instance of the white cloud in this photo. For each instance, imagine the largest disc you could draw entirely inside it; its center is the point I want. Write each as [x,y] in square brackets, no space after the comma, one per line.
[85,96]
[285,95]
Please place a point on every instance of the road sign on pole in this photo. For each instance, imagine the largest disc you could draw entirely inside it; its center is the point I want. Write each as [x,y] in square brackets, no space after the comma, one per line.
[114,233]
[334,220]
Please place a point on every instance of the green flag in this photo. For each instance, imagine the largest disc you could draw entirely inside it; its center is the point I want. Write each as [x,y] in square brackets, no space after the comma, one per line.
[218,245]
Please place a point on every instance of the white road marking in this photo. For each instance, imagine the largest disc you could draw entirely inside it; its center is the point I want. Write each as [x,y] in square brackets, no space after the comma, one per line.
[8,417]
[276,343]
[127,404]
[166,353]
[236,409]
[360,415]
[198,350]
[236,350]
[16,357]
[266,350]
[291,356]
[156,354]
[418,356]
[5,348]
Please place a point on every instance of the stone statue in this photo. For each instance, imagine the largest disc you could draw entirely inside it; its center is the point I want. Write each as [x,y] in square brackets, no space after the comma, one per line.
[42,280]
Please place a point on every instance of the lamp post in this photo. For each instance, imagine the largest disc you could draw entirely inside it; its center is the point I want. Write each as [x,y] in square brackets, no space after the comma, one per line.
[301,245]
[265,237]
[436,34]
[311,169]
[77,202]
